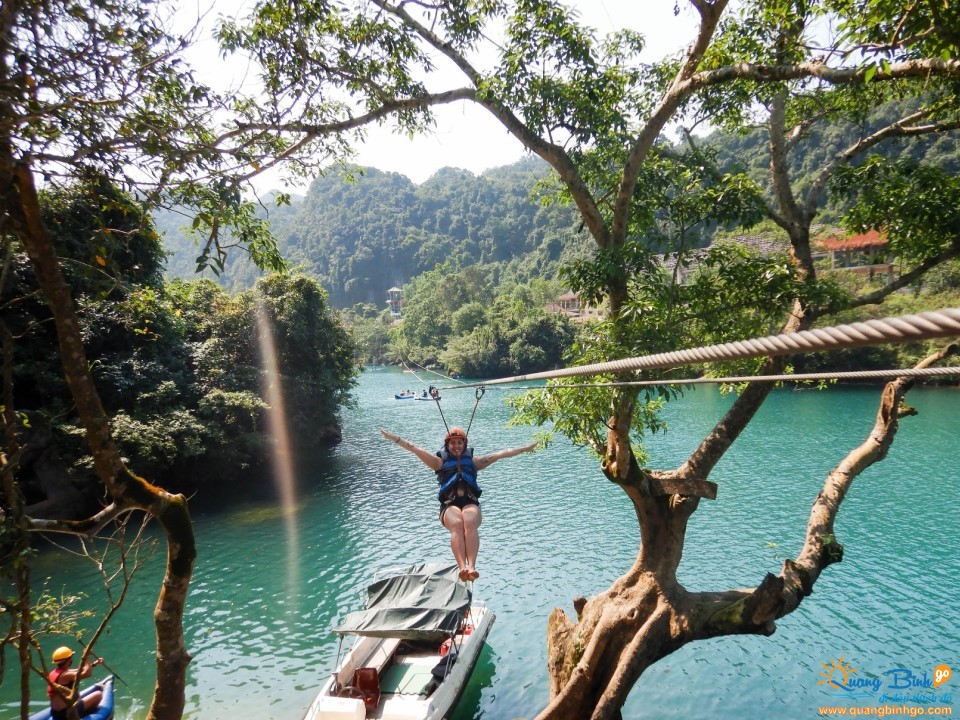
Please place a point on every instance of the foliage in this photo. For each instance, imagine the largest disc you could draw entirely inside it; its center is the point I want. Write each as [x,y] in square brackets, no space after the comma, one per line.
[370,329]
[454,318]
[314,353]
[176,365]
[917,206]
[729,293]
[509,344]
[100,90]
[363,231]
[746,149]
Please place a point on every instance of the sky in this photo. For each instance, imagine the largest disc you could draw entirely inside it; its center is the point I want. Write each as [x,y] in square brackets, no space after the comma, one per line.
[465,136]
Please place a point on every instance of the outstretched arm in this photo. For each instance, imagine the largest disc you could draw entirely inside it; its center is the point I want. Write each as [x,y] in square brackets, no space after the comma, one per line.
[487,460]
[428,458]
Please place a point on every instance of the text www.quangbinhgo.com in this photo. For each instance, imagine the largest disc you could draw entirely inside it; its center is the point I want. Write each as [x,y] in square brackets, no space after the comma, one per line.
[883,710]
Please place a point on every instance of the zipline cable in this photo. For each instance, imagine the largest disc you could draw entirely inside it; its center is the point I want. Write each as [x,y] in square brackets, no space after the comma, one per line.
[411,371]
[922,326]
[435,394]
[478,394]
[852,374]
[407,362]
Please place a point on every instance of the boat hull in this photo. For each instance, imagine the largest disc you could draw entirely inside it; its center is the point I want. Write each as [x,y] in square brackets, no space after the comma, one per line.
[104,712]
[401,699]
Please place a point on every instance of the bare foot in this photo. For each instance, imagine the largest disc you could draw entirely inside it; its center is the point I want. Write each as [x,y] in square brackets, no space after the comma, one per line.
[464,574]
[473,574]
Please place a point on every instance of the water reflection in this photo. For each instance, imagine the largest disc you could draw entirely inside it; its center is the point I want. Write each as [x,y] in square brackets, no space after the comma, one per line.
[480,685]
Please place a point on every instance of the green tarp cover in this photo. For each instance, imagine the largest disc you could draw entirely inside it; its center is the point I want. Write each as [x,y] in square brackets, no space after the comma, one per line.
[423,602]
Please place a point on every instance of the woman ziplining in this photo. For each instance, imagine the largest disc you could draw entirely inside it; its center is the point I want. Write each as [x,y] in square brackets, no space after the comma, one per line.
[459,493]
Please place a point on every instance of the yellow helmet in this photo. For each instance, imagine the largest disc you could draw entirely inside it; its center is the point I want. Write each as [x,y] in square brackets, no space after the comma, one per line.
[61,654]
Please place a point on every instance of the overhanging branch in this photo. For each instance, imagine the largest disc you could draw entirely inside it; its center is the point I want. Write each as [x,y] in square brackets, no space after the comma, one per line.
[88,526]
[755,611]
[837,76]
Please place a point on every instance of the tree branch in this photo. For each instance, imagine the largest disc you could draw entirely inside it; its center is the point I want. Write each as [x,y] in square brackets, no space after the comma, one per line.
[710,14]
[900,128]
[754,611]
[554,154]
[818,69]
[88,526]
[779,166]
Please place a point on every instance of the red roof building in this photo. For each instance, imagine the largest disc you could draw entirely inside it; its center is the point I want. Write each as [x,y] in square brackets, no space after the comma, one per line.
[864,254]
[571,305]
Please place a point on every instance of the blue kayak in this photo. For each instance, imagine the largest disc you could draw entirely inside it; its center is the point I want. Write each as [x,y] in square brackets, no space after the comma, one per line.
[104,712]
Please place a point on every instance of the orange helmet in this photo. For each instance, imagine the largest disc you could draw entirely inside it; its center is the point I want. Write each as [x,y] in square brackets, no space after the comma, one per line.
[454,432]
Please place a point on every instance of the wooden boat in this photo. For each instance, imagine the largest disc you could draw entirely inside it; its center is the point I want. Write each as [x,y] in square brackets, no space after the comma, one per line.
[103,712]
[418,640]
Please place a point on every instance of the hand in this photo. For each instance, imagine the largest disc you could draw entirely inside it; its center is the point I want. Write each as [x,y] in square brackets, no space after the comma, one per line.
[98,661]
[388,436]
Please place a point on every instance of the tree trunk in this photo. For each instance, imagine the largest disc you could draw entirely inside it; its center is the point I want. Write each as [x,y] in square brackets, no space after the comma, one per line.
[17,535]
[128,491]
[646,614]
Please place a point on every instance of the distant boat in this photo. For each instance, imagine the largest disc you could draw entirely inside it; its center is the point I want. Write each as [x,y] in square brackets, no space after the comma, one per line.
[103,712]
[424,396]
[404,396]
[418,640]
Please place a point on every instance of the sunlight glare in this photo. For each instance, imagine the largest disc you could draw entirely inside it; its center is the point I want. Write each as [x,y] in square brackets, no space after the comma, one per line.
[282,459]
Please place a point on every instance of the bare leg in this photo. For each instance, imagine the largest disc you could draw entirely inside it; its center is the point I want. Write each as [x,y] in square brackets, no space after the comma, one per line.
[471,537]
[453,521]
[91,701]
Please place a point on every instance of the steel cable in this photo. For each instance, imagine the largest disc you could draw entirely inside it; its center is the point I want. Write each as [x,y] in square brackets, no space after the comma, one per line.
[797,377]
[905,328]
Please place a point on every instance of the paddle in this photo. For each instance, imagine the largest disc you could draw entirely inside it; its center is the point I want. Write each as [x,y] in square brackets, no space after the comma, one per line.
[110,669]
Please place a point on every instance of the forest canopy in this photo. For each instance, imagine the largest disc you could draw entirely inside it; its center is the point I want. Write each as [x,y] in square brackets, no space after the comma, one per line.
[178,364]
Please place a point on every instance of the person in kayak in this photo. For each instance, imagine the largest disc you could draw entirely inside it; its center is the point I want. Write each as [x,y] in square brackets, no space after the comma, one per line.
[65,677]
[459,494]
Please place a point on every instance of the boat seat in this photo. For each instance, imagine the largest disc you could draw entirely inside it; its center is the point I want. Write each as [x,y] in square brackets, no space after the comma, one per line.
[381,655]
[367,681]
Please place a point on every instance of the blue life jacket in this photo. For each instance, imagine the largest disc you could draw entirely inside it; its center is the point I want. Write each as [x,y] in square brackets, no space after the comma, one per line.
[454,470]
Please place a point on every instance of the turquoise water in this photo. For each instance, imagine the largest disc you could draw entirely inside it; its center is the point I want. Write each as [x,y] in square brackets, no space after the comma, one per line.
[265,592]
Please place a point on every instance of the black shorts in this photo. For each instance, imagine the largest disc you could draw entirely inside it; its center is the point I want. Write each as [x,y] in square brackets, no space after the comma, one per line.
[84,710]
[458,501]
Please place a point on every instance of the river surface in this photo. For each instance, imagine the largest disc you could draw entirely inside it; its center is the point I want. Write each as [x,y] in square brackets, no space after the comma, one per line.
[268,585]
